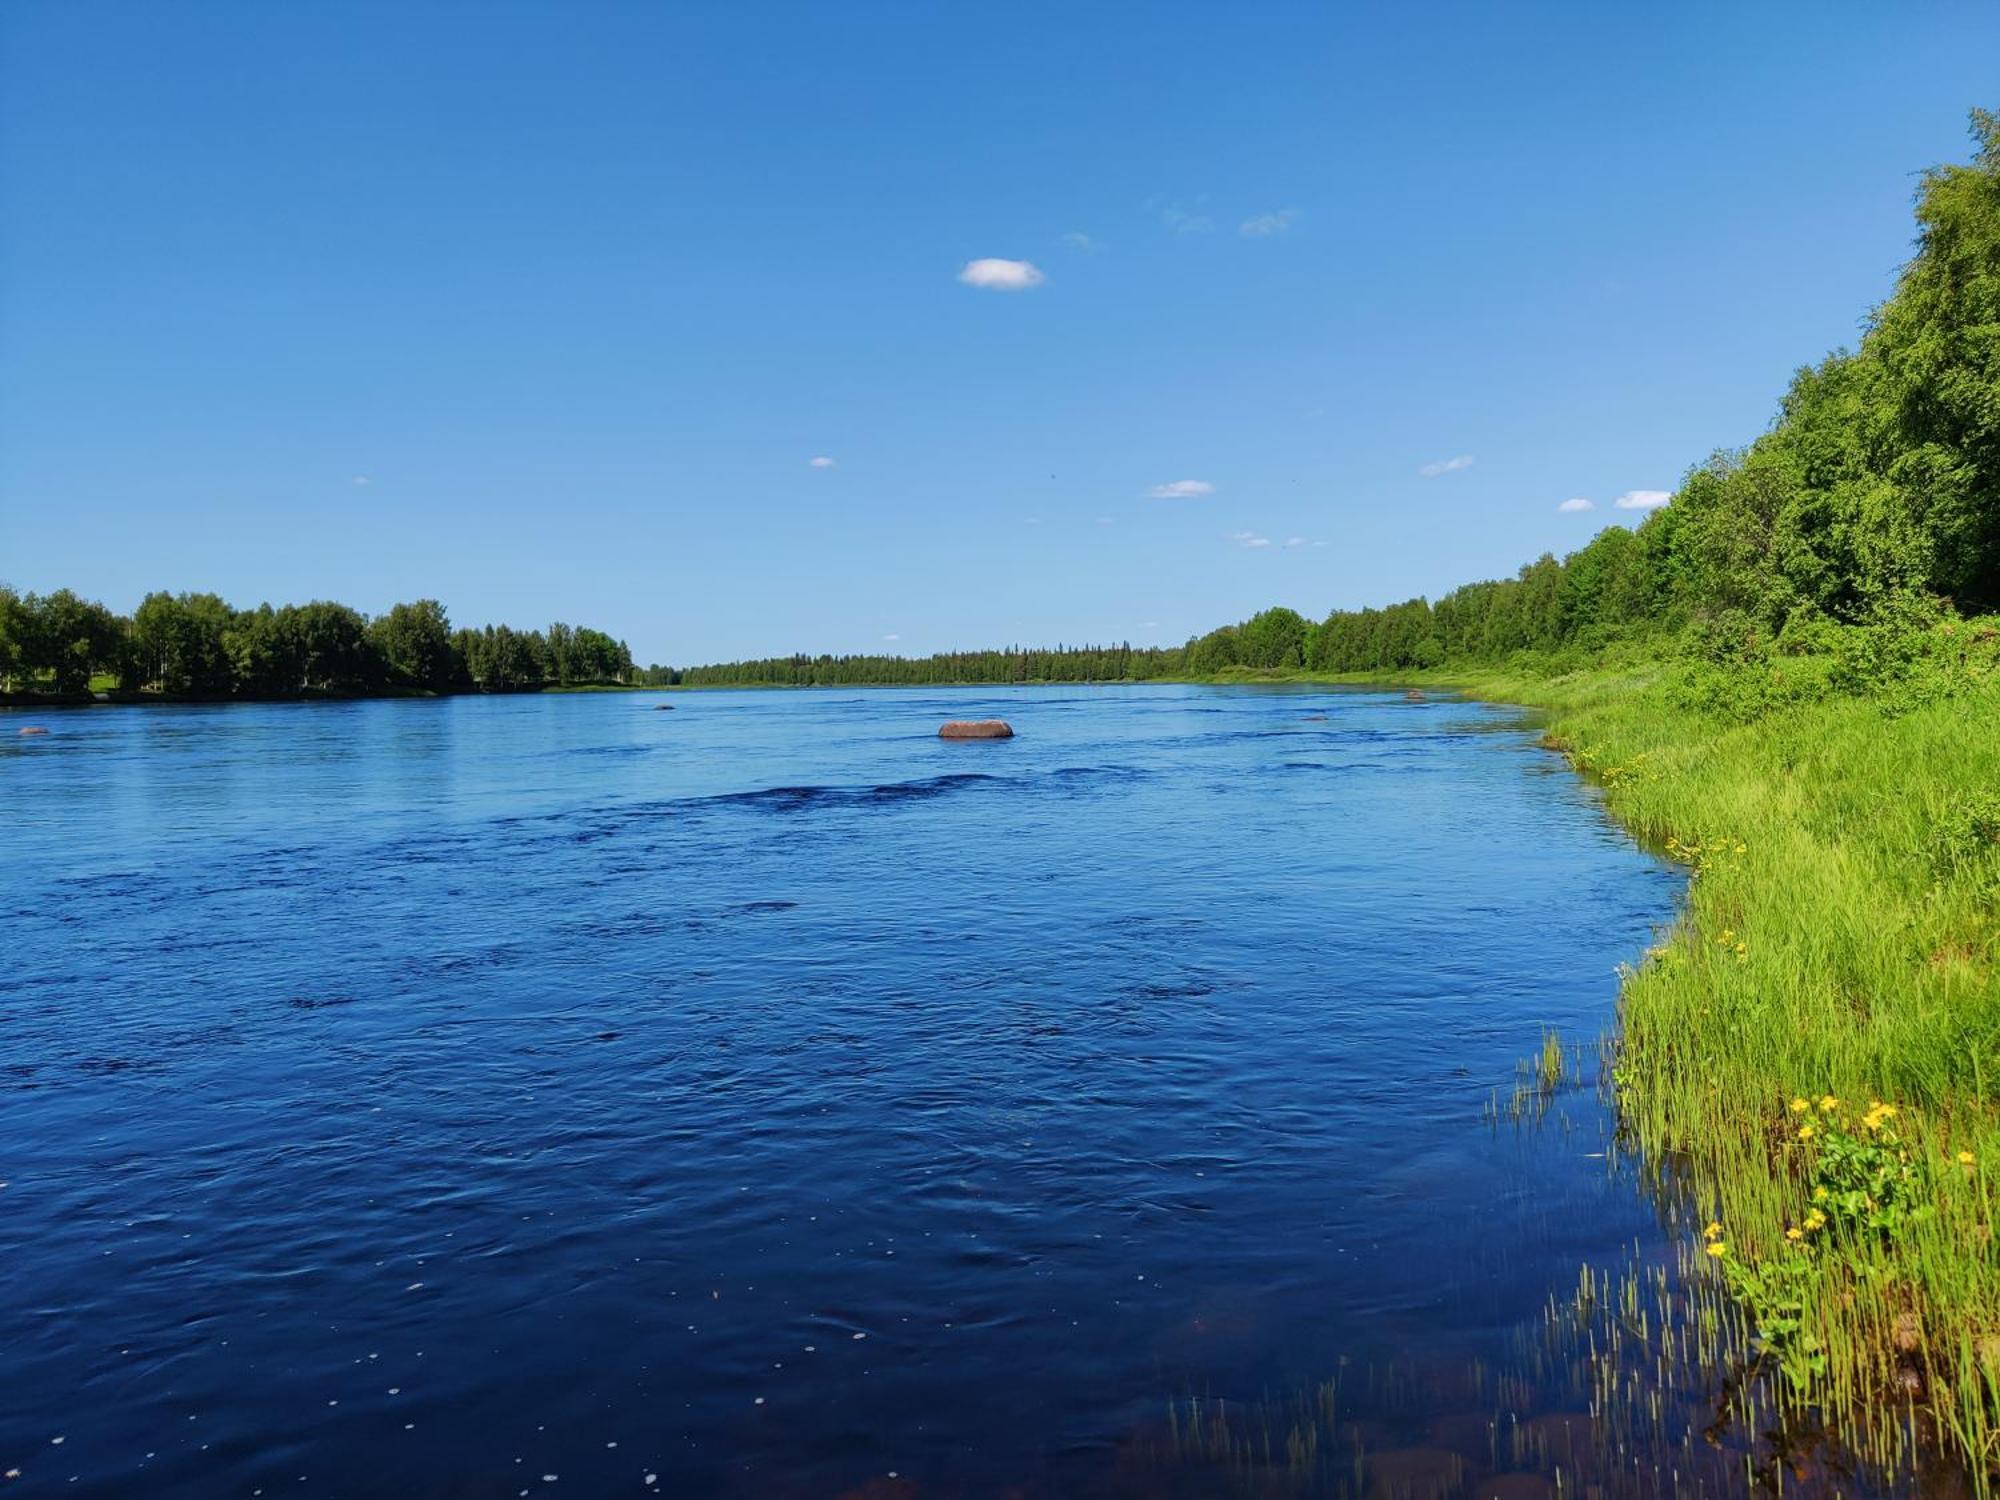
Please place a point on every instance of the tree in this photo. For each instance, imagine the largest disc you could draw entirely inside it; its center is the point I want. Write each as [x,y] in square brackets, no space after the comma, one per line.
[415,643]
[70,639]
[179,643]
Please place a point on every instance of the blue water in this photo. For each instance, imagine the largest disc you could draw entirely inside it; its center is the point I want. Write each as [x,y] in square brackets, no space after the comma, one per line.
[426,1098]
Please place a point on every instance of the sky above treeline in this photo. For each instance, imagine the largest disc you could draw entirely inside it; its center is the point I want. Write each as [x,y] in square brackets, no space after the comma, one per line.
[742,329]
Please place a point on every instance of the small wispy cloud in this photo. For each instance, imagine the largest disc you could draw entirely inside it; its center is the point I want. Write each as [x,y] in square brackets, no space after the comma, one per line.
[892,636]
[1571,507]
[1446,466]
[821,461]
[1182,489]
[1249,539]
[360,479]
[1642,499]
[1104,520]
[1183,220]
[1276,222]
[1076,239]
[1148,625]
[1034,521]
[995,275]
[1295,541]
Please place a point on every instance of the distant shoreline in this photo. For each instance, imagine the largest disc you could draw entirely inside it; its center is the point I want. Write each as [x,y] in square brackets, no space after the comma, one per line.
[135,698]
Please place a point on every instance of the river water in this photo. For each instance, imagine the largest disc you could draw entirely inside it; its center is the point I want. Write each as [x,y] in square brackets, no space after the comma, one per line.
[554,1095]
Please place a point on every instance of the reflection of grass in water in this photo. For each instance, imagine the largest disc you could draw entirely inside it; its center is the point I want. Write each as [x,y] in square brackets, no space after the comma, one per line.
[1660,1377]
[1647,1380]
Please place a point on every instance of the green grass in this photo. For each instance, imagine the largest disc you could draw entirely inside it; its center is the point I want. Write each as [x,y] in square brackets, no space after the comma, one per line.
[1841,940]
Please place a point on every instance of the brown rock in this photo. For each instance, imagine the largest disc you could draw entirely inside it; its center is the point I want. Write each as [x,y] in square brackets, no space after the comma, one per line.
[34,729]
[977,729]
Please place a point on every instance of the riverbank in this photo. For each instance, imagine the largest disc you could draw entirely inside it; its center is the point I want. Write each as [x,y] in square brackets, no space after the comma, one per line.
[1809,1059]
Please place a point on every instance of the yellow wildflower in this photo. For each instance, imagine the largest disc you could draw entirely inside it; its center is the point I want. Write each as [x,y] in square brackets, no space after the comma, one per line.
[1717,1249]
[1805,1132]
[1795,1234]
[1828,1104]
[1815,1219]
[1713,1232]
[1819,1195]
[1800,1106]
[1965,1158]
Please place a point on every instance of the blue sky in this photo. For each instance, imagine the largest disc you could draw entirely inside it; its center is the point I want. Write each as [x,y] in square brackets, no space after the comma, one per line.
[547,309]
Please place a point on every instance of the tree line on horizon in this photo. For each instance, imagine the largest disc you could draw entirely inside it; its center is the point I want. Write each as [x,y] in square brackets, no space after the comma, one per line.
[1873,497]
[199,646]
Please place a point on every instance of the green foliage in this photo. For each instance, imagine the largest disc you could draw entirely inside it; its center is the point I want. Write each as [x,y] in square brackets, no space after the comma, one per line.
[1865,1179]
[1779,1290]
[179,644]
[196,645]
[415,644]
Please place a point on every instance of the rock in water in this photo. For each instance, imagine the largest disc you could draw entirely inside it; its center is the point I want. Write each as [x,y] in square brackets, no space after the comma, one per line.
[977,729]
[34,729]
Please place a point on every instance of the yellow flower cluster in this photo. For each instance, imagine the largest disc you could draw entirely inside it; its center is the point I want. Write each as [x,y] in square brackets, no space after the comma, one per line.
[1712,1241]
[1879,1114]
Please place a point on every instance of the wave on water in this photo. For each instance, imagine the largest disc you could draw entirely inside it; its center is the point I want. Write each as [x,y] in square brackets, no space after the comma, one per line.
[786,799]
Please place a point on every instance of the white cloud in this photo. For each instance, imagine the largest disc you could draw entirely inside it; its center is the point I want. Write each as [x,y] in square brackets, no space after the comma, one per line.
[892,636]
[820,462]
[1182,489]
[992,275]
[1446,466]
[1642,499]
[1149,625]
[1249,539]
[1271,223]
[361,479]
[1076,239]
[1295,541]
[1104,520]
[1571,507]
[1185,220]
[1034,520]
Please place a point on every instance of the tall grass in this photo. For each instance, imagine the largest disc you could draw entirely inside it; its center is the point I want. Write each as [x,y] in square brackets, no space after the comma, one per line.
[1841,940]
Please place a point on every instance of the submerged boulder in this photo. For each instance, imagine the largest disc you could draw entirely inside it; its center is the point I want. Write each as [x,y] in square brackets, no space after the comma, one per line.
[34,729]
[977,729]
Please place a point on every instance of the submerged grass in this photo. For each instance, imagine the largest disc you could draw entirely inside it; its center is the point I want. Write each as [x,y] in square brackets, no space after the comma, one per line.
[1814,1047]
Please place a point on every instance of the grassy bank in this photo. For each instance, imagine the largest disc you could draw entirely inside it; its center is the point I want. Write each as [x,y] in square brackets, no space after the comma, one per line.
[1811,1057]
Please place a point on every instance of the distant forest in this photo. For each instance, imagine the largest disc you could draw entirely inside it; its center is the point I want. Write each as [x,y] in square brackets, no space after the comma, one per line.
[198,646]
[1872,504]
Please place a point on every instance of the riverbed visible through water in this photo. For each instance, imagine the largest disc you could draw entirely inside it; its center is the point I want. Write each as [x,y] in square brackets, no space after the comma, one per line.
[556,1095]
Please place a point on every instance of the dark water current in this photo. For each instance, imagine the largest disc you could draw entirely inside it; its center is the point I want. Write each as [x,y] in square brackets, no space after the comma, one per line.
[550,1095]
